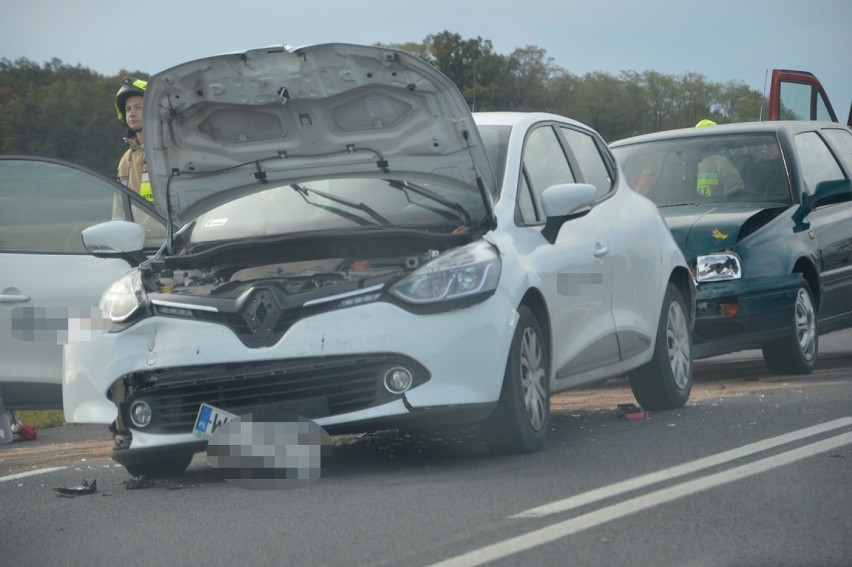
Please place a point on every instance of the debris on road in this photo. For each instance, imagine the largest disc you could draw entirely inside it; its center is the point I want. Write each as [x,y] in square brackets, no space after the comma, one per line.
[26,431]
[85,488]
[138,483]
[633,412]
[11,425]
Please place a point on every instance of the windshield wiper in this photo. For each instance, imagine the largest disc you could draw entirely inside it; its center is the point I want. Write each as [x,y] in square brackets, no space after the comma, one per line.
[678,205]
[304,191]
[405,186]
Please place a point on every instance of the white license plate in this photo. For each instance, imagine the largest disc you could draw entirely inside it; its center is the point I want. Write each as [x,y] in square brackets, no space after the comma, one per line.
[209,420]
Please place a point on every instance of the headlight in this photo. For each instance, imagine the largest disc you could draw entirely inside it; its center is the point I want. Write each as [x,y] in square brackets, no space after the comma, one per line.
[718,267]
[467,271]
[124,297]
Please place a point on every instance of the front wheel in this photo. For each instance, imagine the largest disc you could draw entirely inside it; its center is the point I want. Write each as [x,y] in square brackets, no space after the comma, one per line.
[797,352]
[520,422]
[666,381]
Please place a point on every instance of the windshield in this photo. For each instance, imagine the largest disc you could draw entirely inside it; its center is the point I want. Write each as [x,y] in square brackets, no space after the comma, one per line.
[707,169]
[335,204]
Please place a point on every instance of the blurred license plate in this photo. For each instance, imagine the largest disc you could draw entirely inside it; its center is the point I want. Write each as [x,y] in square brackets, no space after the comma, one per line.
[209,420]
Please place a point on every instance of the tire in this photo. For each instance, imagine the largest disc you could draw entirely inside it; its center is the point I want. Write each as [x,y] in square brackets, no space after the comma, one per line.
[167,466]
[522,418]
[666,380]
[797,353]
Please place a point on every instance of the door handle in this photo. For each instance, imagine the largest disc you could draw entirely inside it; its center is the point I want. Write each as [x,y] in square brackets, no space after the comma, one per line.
[600,250]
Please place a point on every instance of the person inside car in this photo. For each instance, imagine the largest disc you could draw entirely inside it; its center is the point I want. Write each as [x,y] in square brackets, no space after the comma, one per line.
[716,176]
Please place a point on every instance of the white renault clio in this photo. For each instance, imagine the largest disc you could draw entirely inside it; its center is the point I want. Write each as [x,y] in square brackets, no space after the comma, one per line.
[359,250]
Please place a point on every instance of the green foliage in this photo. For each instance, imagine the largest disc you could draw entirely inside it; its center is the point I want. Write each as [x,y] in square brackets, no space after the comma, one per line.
[60,111]
[42,418]
[67,112]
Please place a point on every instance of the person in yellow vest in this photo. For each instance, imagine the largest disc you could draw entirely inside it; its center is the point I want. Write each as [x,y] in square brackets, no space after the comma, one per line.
[132,169]
[717,176]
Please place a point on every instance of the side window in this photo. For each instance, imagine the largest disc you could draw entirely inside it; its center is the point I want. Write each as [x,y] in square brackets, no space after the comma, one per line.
[592,164]
[544,162]
[842,140]
[818,164]
[526,213]
[796,100]
[155,231]
[44,206]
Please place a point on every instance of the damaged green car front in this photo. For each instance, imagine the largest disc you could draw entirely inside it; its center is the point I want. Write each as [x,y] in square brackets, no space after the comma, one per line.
[756,229]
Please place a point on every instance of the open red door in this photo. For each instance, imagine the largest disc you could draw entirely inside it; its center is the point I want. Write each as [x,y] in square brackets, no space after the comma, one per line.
[798,95]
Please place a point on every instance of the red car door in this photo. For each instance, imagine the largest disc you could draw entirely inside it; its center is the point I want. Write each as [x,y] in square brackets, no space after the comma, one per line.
[798,95]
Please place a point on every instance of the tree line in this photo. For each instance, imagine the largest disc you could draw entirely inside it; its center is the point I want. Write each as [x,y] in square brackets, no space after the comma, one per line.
[67,112]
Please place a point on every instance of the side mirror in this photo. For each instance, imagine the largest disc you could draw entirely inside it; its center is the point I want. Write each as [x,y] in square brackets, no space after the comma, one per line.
[830,192]
[826,193]
[116,239]
[564,202]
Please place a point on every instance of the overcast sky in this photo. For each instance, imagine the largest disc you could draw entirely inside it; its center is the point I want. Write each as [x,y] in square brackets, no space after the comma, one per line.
[724,40]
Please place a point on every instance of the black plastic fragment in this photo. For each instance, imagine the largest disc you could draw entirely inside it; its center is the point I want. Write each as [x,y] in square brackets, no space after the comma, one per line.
[85,487]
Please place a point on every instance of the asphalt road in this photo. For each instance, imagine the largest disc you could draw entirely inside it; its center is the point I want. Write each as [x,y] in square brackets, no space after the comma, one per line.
[753,471]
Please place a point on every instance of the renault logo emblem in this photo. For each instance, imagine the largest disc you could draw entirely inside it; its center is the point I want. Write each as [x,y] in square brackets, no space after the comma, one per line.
[261,313]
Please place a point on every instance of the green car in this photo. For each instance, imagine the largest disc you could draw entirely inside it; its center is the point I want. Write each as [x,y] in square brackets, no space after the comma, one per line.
[763,214]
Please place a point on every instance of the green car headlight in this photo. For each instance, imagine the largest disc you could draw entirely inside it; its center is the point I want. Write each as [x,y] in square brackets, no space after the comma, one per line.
[718,267]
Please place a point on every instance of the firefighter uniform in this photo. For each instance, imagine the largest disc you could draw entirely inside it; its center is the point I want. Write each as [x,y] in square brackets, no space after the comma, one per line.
[132,169]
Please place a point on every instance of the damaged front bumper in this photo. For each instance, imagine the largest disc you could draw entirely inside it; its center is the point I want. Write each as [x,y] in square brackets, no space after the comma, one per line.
[329,368]
[743,314]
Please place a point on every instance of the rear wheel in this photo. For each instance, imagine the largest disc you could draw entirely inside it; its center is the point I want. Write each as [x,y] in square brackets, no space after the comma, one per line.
[520,422]
[666,381]
[166,466]
[797,352]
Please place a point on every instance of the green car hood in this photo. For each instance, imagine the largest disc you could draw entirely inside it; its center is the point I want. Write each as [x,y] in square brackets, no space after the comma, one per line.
[702,229]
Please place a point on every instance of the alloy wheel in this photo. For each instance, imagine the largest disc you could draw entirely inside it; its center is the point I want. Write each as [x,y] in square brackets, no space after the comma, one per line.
[805,323]
[677,339]
[532,379]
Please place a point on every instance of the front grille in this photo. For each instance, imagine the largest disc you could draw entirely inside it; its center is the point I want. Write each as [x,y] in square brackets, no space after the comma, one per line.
[262,320]
[238,324]
[336,384]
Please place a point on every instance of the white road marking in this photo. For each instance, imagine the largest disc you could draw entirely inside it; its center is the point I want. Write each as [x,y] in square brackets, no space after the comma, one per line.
[30,473]
[616,511]
[680,470]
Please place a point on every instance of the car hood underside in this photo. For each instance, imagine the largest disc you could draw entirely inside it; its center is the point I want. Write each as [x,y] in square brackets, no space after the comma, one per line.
[222,127]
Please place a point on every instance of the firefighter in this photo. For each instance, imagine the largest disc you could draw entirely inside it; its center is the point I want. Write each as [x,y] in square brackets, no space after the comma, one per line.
[132,169]
[716,176]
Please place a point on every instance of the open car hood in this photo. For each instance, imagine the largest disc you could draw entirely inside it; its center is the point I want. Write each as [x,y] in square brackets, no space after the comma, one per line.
[222,127]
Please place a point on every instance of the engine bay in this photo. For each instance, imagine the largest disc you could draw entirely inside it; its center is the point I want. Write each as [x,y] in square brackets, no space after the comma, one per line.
[230,280]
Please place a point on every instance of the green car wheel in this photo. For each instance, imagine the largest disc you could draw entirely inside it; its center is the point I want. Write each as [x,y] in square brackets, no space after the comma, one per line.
[797,352]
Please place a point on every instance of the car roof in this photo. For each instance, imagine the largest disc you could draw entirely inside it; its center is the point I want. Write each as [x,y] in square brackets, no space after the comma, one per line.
[735,128]
[522,119]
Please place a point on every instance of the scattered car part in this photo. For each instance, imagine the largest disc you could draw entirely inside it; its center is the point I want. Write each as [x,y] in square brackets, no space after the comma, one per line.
[86,487]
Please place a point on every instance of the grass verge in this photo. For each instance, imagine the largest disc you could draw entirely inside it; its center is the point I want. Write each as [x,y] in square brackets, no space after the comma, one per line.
[42,418]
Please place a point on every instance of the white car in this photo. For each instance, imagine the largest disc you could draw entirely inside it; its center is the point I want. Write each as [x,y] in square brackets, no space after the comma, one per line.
[49,284]
[359,250]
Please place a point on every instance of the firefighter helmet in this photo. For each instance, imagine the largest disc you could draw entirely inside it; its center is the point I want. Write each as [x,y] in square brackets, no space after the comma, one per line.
[130,87]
